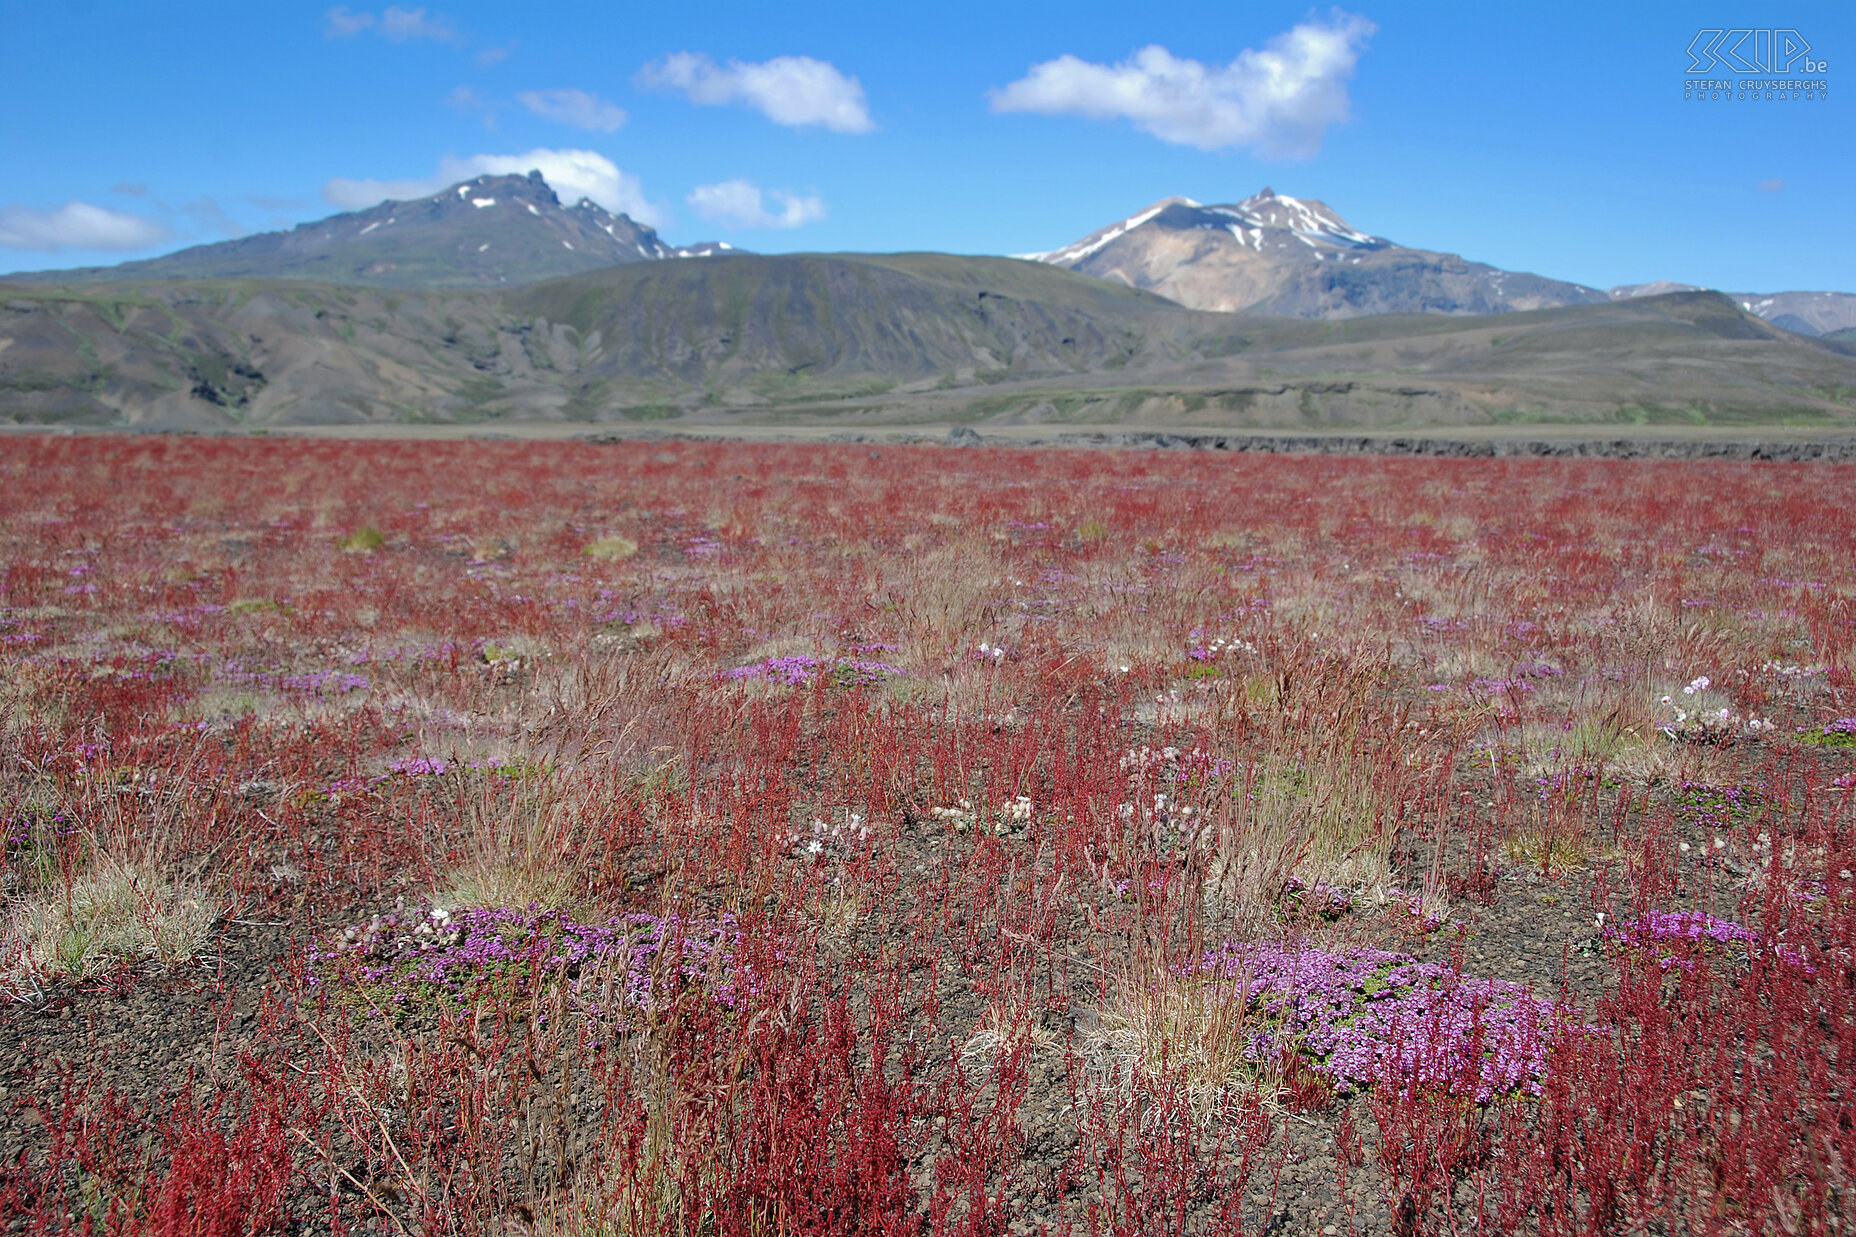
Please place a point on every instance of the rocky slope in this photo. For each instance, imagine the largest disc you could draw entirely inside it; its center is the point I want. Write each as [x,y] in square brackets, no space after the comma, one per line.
[856,340]
[488,232]
[1805,313]
[1273,254]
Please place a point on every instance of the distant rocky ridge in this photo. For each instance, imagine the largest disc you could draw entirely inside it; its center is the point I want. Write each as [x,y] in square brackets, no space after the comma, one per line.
[1268,254]
[1296,257]
[1805,313]
[864,340]
[488,232]
[1274,254]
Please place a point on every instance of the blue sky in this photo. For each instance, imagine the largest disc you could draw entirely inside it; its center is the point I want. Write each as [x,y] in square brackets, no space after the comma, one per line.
[1550,138]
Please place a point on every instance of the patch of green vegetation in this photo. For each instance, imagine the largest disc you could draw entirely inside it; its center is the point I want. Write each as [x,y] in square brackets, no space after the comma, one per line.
[1221,346]
[478,391]
[1829,736]
[1070,405]
[1716,807]
[1129,402]
[651,412]
[1834,395]
[861,391]
[116,311]
[1525,416]
[29,383]
[996,405]
[584,404]
[1713,415]
[362,541]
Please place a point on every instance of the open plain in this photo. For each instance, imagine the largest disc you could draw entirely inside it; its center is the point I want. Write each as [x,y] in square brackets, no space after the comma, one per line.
[679,837]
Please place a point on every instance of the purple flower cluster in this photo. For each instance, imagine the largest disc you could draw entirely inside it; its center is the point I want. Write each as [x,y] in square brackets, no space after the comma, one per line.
[1499,687]
[1368,1016]
[433,766]
[618,964]
[1675,929]
[1327,901]
[311,683]
[635,615]
[1840,733]
[419,766]
[1663,929]
[798,670]
[434,651]
[1714,807]
[1660,927]
[323,683]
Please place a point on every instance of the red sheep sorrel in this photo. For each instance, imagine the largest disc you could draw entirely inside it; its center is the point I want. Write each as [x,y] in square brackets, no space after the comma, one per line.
[686,837]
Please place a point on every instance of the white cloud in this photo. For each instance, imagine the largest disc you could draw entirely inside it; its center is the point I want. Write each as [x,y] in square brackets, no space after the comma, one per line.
[394,23]
[573,174]
[574,107]
[789,90]
[1280,100]
[740,204]
[345,25]
[76,225]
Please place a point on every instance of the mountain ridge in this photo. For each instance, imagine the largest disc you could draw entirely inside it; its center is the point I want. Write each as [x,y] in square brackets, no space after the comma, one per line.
[1296,257]
[860,339]
[1818,314]
[1269,254]
[485,232]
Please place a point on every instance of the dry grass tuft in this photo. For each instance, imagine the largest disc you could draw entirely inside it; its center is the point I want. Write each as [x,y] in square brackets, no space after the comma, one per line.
[117,910]
[836,909]
[520,845]
[1006,1026]
[610,549]
[1187,1031]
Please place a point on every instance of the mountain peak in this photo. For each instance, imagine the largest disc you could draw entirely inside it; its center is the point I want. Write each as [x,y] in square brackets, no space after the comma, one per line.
[1272,253]
[491,230]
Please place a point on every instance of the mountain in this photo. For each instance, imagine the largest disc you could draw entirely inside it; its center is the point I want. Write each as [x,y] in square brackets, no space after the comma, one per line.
[778,325]
[1273,254]
[732,330]
[853,340]
[1805,313]
[491,231]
